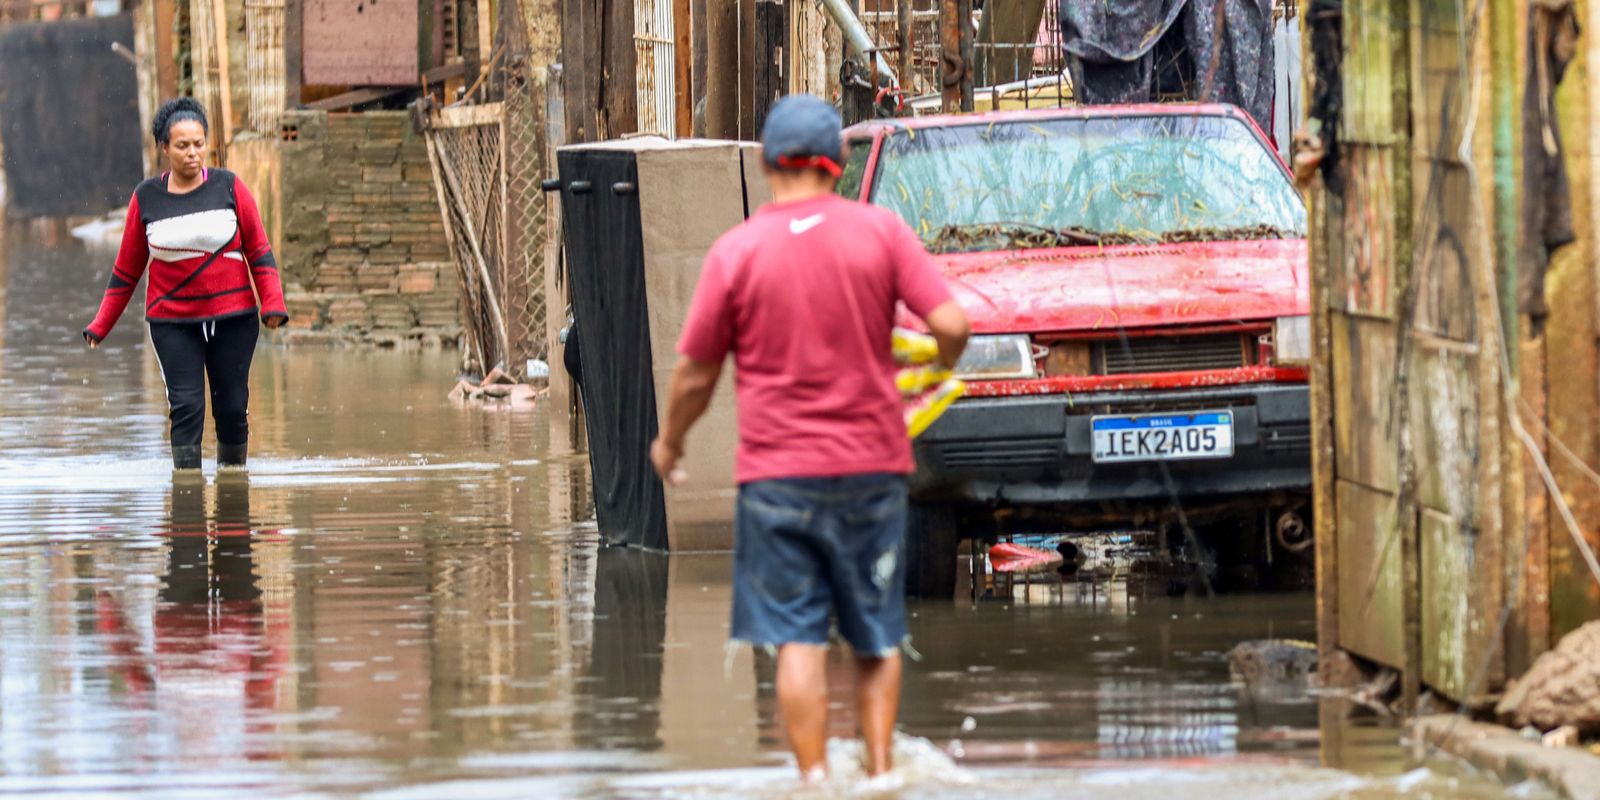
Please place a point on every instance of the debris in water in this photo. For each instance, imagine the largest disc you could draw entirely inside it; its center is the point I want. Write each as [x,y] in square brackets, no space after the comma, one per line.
[1008,557]
[1272,660]
[497,385]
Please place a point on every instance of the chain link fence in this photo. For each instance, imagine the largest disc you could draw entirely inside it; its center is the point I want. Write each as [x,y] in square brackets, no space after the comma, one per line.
[488,160]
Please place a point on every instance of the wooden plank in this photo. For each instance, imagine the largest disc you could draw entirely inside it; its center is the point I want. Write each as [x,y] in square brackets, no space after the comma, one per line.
[683,77]
[582,67]
[772,24]
[749,61]
[219,21]
[722,64]
[1324,505]
[1528,632]
[485,39]
[621,69]
[1364,353]
[1371,617]
[144,39]
[165,59]
[340,102]
[1572,330]
[444,73]
[907,44]
[1454,636]
[954,71]
[469,116]
[698,81]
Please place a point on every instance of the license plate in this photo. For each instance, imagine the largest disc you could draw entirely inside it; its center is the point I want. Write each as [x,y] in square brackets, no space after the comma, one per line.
[1162,437]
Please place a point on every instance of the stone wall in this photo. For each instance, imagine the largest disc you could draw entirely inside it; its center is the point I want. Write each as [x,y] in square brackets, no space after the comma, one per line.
[357,229]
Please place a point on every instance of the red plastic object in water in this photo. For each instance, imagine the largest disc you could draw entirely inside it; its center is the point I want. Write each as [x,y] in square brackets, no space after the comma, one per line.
[1007,557]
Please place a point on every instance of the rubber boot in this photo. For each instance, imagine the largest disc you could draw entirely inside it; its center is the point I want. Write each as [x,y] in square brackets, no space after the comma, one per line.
[232,455]
[186,456]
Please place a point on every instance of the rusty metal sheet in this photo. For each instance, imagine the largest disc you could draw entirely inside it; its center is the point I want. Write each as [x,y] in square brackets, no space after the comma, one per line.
[1363,412]
[1371,614]
[360,43]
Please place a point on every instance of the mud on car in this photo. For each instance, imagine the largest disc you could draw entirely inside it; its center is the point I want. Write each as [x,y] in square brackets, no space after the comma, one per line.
[1137,284]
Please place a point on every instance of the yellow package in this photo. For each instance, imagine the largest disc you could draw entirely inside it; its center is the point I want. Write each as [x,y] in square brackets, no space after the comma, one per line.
[922,412]
[911,347]
[913,381]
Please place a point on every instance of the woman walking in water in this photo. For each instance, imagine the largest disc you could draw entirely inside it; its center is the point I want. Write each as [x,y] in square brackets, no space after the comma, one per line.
[200,234]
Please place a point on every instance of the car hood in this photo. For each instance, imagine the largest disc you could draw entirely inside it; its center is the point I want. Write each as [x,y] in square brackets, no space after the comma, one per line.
[1093,288]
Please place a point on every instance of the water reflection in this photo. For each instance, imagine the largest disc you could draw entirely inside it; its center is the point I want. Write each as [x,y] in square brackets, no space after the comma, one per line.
[408,595]
[624,657]
[207,663]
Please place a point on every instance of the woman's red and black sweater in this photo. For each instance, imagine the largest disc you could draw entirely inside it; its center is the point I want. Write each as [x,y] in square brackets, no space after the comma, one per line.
[177,236]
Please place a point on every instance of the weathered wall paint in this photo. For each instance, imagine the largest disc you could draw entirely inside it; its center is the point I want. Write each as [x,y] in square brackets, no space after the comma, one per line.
[1574,378]
[1439,523]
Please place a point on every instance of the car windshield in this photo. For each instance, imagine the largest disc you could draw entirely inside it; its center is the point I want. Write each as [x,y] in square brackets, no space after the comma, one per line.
[1101,180]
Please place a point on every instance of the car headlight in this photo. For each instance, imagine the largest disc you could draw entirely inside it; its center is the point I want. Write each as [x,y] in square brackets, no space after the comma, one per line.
[1291,340]
[990,358]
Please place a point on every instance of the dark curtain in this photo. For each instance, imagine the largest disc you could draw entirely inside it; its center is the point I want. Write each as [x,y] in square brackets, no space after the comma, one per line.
[605,259]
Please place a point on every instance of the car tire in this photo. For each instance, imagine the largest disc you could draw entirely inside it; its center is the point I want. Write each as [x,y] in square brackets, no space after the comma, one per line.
[932,538]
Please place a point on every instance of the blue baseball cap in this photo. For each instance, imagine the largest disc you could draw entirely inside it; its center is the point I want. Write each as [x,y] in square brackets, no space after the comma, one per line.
[803,131]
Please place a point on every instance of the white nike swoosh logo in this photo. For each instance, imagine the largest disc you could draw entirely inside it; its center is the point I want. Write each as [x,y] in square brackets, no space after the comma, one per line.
[799,226]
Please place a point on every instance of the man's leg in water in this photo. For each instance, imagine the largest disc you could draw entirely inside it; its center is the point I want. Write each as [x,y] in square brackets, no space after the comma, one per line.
[877,704]
[868,574]
[803,700]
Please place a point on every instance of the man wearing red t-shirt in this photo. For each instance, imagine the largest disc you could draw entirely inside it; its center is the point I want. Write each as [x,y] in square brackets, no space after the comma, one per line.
[803,294]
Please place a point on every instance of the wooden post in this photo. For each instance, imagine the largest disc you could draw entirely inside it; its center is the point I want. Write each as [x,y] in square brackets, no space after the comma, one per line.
[699,46]
[906,23]
[722,64]
[619,70]
[683,59]
[955,72]
[294,14]
[219,24]
[145,70]
[485,39]
[772,25]
[751,60]
[165,63]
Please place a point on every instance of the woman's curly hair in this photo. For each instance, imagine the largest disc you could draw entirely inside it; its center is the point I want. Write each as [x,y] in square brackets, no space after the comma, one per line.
[177,110]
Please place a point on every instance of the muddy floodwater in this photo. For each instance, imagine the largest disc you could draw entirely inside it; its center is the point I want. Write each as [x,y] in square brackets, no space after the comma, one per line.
[405,598]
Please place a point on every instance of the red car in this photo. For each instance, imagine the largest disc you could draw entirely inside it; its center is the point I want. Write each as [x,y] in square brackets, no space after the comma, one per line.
[1136,279]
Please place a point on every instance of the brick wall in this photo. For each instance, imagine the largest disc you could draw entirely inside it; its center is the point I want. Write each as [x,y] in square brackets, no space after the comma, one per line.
[361,244]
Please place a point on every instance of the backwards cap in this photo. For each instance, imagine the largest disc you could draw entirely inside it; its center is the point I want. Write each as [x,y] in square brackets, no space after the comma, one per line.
[803,131]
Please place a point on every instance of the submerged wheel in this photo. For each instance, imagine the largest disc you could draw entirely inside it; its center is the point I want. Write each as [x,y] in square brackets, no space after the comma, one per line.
[931,541]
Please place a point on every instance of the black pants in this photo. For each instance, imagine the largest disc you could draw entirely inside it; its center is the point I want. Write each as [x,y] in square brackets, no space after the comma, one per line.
[192,352]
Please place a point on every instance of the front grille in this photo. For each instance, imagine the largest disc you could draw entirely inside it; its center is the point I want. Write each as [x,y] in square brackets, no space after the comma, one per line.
[1002,454]
[1182,405]
[1143,354]
[1293,438]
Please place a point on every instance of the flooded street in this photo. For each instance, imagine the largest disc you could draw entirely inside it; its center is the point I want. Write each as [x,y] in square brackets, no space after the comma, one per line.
[405,598]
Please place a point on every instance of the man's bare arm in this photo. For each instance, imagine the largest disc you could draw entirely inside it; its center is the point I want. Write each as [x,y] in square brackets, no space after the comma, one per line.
[688,395]
[948,324]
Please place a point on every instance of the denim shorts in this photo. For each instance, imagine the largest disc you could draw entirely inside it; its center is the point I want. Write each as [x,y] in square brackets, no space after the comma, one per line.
[812,551]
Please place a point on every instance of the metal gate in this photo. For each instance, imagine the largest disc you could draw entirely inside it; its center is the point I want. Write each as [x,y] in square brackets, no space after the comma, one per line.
[466,150]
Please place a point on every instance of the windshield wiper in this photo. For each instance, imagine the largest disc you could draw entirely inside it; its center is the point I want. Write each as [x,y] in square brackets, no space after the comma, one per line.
[1008,236]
